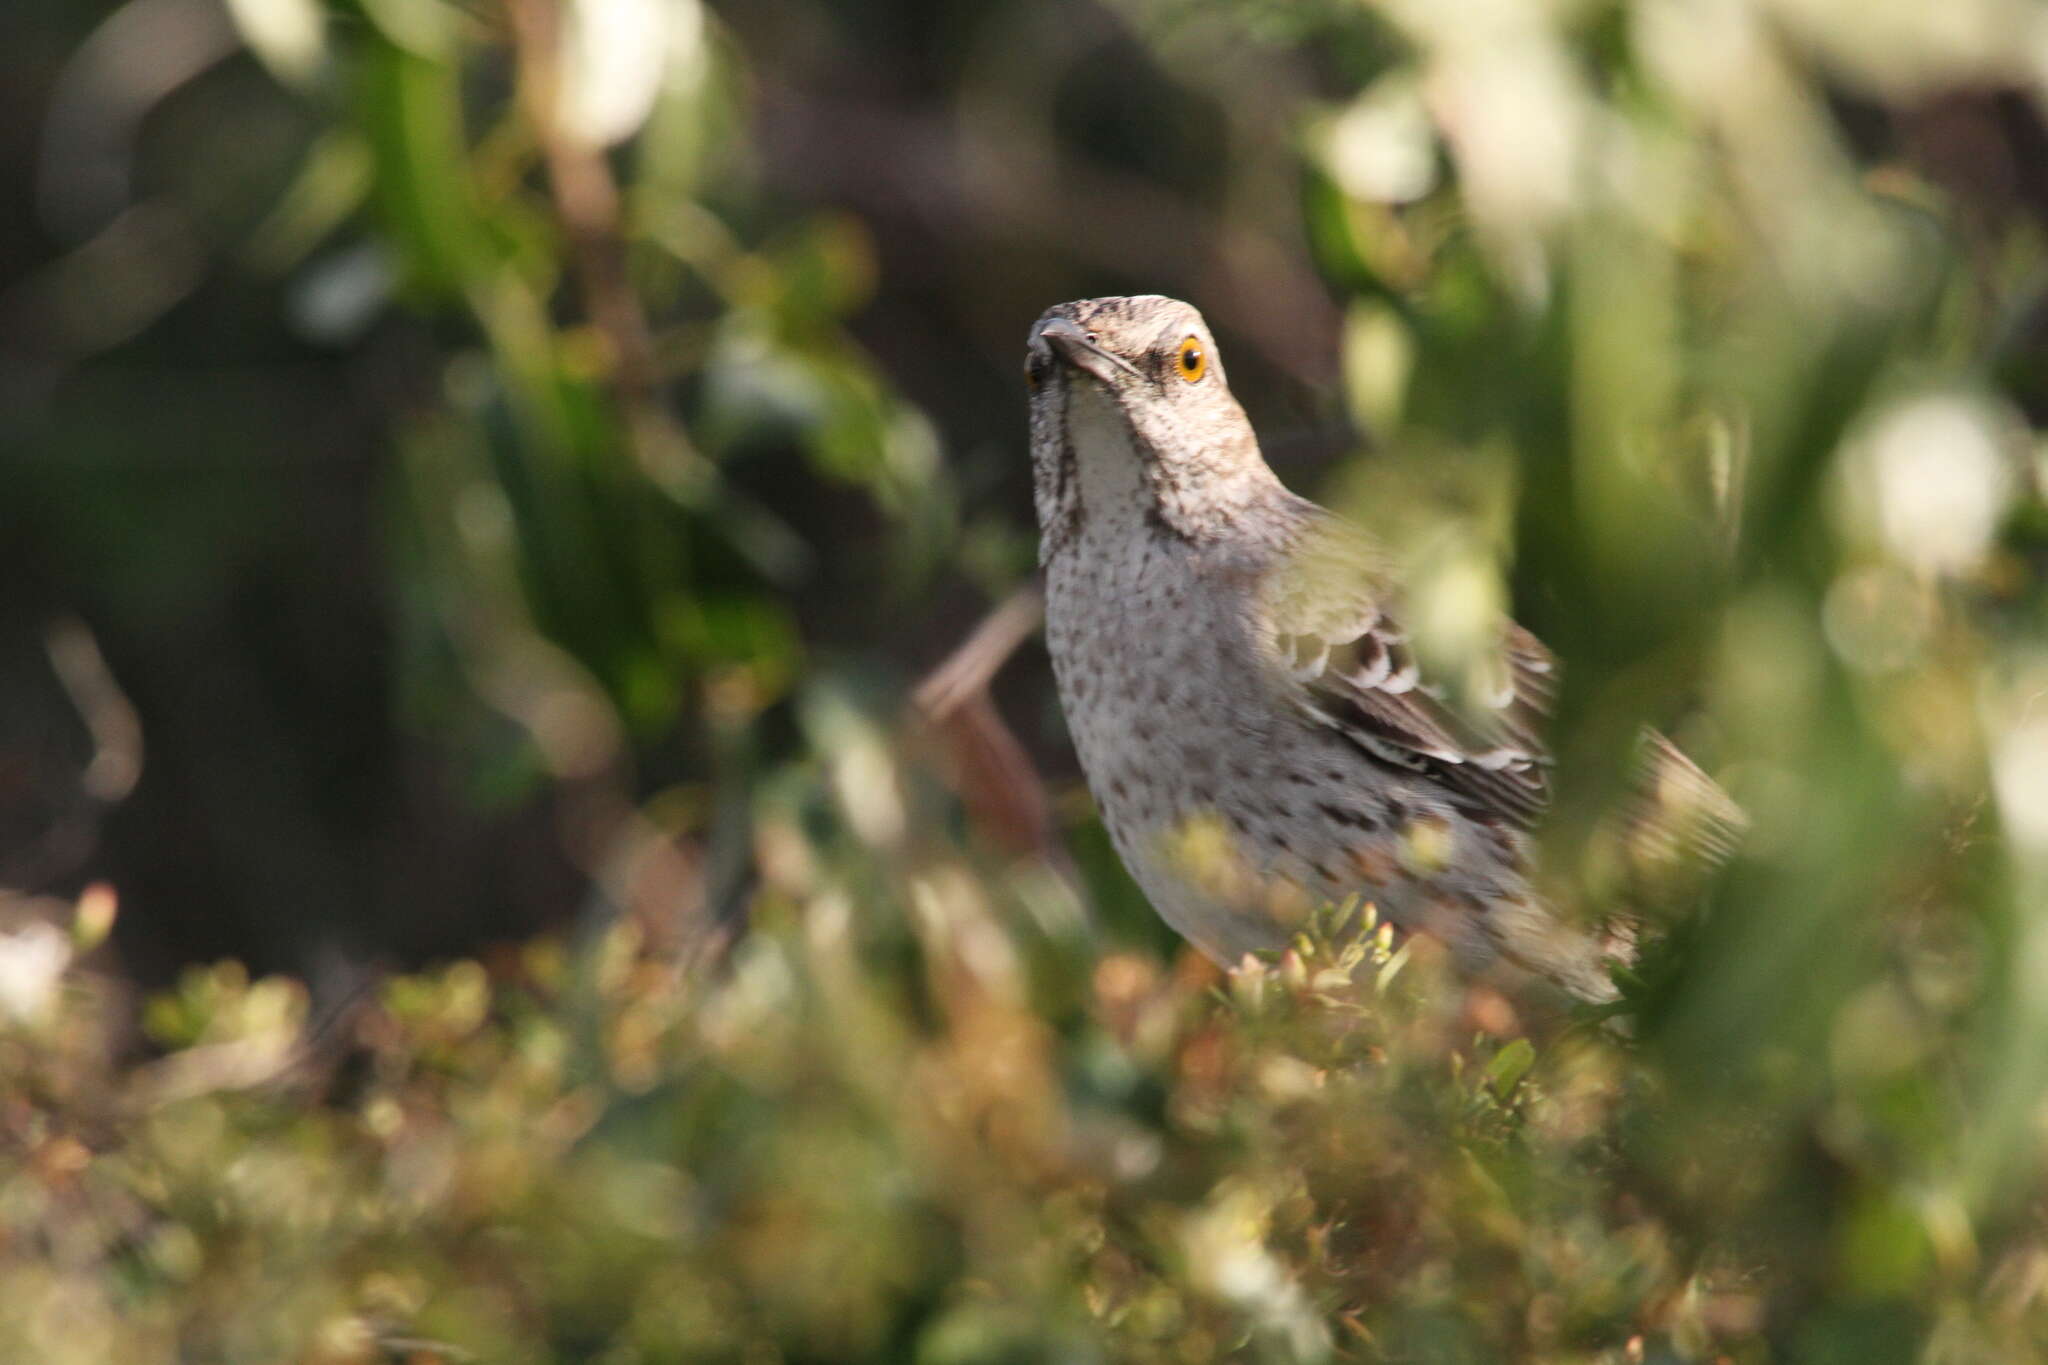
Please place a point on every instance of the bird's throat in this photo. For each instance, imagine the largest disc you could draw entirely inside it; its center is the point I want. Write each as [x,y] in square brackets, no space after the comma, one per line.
[1109,469]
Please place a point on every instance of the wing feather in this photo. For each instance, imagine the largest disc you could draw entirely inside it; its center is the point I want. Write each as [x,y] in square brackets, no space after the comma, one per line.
[1336,629]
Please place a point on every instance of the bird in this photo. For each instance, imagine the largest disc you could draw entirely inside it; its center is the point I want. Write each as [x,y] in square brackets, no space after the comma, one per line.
[1242,690]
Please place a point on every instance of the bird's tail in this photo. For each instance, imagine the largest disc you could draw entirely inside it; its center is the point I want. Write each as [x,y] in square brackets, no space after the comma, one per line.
[1533,939]
[1675,827]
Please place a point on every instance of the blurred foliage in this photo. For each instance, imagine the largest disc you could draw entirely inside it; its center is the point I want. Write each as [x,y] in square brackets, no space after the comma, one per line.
[479,469]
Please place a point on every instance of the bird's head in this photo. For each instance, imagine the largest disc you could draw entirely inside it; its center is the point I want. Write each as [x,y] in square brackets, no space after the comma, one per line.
[1129,404]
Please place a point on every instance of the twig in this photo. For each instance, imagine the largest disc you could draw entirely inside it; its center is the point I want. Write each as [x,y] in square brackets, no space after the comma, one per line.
[994,777]
[109,716]
[967,671]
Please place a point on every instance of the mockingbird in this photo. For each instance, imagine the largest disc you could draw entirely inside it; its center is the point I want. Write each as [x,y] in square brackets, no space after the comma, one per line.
[1245,702]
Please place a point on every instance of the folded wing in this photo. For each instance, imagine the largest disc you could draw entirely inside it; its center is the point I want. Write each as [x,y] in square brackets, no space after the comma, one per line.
[1336,629]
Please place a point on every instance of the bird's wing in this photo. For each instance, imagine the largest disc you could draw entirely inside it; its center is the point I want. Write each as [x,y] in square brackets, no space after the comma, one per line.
[1336,631]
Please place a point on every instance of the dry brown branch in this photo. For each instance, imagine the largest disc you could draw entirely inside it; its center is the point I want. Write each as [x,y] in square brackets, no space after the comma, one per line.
[989,769]
[966,672]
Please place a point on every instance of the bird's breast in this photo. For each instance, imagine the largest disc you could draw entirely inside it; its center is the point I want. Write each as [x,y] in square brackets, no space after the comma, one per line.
[1154,676]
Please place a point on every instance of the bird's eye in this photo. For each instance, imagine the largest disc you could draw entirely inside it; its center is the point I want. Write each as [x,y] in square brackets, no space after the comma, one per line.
[1193,360]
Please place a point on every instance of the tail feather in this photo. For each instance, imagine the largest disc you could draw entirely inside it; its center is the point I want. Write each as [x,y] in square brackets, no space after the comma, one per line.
[1675,826]
[1676,815]
[1536,941]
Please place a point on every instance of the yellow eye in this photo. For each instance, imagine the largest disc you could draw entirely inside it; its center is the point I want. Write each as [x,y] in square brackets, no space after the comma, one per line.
[1194,361]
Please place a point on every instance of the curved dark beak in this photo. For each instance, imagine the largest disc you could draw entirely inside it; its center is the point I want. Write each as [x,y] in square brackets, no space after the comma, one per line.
[1066,339]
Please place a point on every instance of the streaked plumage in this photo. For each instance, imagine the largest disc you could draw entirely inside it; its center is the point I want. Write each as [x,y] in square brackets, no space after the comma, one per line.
[1235,674]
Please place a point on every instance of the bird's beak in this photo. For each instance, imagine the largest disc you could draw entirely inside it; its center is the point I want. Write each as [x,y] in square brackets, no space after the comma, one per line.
[1067,340]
